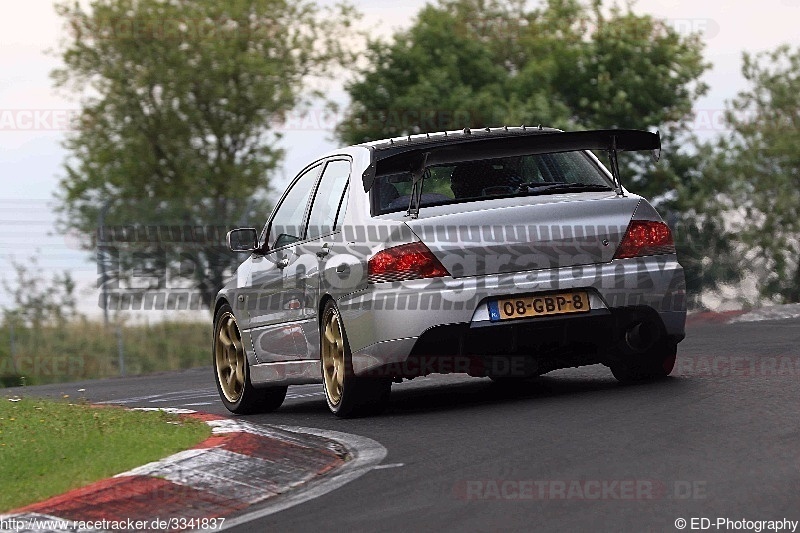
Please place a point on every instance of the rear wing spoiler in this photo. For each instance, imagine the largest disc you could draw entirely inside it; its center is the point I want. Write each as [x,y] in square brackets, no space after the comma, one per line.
[415,153]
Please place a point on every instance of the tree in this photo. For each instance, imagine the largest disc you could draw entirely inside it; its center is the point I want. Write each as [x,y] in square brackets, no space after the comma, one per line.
[696,206]
[761,163]
[36,300]
[177,127]
[569,64]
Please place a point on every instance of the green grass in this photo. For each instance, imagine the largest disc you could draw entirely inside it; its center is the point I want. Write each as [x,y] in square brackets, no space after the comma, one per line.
[87,350]
[47,448]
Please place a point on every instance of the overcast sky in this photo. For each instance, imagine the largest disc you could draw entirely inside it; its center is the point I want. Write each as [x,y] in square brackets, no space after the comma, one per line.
[33,116]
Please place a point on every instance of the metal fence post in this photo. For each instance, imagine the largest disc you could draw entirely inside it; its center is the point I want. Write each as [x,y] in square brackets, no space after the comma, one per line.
[121,352]
[13,347]
[101,258]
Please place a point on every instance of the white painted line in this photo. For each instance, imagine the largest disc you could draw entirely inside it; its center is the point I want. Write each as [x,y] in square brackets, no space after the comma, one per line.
[309,395]
[173,410]
[228,425]
[390,465]
[188,394]
[775,312]
[366,454]
[179,398]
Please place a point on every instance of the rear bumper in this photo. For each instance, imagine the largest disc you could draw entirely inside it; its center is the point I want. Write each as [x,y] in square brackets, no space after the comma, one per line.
[529,346]
[416,322]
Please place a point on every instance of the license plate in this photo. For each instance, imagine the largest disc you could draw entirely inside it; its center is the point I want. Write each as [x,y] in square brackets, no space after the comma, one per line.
[539,305]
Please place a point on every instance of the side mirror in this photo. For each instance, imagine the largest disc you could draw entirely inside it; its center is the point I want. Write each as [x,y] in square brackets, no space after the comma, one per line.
[242,239]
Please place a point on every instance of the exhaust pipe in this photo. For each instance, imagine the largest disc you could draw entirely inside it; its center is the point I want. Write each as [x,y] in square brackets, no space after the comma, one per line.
[641,336]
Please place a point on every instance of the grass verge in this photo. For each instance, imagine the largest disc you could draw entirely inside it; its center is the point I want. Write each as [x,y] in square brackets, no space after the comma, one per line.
[47,448]
[83,349]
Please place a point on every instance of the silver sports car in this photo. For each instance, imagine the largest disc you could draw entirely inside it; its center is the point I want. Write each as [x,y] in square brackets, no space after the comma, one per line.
[503,253]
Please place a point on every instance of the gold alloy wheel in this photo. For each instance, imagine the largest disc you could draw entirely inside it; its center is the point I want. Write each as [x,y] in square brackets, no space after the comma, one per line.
[229,358]
[333,357]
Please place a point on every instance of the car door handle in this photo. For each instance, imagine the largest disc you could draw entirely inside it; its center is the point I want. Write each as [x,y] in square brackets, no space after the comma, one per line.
[283,263]
[324,251]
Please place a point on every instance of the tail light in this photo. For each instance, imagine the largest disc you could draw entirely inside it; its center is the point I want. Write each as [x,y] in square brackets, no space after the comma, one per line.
[646,237]
[407,261]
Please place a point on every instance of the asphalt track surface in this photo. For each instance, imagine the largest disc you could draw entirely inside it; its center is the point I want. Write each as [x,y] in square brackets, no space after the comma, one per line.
[570,451]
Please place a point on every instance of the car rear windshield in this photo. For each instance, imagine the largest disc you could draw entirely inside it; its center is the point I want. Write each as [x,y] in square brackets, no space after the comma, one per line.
[489,178]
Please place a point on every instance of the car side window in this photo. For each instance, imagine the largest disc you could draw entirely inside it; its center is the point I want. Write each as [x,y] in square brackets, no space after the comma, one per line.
[329,199]
[288,223]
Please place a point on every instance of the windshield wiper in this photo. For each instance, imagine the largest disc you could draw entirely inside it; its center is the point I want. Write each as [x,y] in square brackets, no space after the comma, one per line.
[539,188]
